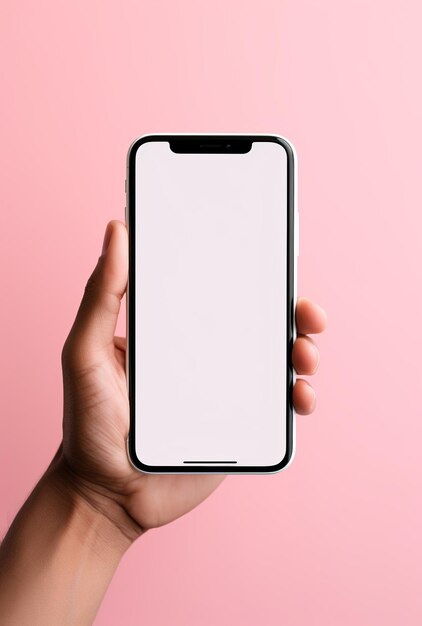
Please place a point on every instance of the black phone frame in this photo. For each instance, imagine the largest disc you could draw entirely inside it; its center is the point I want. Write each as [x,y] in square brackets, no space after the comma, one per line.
[190,143]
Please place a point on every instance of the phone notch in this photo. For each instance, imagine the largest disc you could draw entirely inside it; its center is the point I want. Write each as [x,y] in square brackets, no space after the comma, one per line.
[210,145]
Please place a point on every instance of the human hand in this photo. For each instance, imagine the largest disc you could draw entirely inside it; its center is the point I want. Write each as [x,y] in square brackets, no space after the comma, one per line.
[93,457]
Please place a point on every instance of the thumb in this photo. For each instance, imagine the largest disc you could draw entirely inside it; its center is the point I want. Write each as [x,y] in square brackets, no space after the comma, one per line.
[95,324]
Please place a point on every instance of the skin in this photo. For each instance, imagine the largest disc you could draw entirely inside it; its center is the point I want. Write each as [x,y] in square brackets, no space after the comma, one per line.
[67,540]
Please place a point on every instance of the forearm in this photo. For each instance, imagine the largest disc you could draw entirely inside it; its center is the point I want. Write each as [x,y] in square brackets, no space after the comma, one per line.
[58,558]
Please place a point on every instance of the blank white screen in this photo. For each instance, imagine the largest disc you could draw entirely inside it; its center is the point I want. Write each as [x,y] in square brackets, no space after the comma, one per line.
[211,259]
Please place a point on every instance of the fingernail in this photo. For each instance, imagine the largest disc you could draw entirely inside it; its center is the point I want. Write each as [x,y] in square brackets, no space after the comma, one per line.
[317,356]
[107,237]
[323,312]
[312,397]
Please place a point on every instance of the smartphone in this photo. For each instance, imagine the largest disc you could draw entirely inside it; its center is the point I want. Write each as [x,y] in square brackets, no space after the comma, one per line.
[213,233]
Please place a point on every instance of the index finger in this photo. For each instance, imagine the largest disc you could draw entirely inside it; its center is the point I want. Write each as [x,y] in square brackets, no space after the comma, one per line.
[310,317]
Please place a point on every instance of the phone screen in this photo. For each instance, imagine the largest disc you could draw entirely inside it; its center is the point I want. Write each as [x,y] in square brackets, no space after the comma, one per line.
[210,281]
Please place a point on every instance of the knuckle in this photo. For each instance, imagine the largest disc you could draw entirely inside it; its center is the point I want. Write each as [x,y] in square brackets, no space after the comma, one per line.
[91,284]
[67,353]
[73,359]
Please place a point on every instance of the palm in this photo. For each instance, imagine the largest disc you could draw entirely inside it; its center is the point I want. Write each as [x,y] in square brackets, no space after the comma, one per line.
[96,423]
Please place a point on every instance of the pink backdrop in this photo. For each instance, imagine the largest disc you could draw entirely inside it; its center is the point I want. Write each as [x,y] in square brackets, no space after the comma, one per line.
[336,539]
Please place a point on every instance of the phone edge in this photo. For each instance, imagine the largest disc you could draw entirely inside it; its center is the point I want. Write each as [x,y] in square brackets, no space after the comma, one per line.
[293,241]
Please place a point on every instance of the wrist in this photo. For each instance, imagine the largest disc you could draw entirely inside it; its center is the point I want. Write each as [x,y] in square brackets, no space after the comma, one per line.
[107,520]
[59,554]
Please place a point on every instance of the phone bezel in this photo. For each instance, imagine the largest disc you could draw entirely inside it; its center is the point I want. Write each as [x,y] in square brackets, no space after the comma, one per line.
[290,299]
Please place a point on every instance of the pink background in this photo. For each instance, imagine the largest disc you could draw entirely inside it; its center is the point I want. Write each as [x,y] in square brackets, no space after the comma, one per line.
[336,539]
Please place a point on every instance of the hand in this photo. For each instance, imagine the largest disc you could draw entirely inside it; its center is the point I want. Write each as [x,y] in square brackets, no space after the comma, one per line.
[93,456]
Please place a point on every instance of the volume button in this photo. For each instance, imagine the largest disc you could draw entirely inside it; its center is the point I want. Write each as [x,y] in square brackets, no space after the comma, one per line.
[126,214]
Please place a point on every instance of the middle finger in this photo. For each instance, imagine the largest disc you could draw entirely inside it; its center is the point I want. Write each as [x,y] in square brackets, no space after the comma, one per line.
[305,355]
